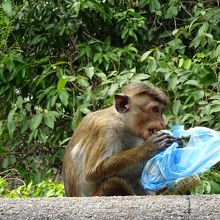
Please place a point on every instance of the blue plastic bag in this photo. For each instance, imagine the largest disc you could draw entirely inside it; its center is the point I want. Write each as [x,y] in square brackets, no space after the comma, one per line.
[199,155]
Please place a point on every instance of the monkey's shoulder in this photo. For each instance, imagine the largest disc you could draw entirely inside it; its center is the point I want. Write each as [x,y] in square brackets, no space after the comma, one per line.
[101,119]
[100,129]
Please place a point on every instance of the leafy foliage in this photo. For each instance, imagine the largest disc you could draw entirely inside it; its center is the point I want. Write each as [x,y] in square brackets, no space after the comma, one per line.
[46,188]
[59,60]
[210,183]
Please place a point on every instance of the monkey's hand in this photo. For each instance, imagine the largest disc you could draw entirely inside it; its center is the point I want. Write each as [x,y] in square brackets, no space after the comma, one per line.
[163,140]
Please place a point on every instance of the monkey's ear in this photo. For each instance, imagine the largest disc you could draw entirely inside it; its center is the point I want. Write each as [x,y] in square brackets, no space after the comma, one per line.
[121,103]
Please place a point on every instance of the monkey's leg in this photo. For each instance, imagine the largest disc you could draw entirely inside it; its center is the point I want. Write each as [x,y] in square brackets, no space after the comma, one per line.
[183,186]
[114,186]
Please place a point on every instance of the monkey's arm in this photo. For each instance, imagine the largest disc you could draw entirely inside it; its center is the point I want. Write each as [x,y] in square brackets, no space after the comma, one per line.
[120,161]
[116,163]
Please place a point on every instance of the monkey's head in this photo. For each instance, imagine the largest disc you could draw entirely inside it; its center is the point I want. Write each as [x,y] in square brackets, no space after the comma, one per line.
[141,107]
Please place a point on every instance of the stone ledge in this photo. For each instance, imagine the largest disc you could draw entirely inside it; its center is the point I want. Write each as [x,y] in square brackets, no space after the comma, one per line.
[133,207]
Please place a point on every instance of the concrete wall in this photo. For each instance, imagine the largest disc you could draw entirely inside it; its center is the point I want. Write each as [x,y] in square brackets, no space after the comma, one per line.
[146,207]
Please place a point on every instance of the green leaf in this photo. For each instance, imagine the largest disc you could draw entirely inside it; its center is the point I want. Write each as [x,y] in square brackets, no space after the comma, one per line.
[181,61]
[49,120]
[7,7]
[31,136]
[5,163]
[173,82]
[134,14]
[187,64]
[175,31]
[11,123]
[196,41]
[154,5]
[65,141]
[1,128]
[88,51]
[140,76]
[90,71]
[53,100]
[193,83]
[19,102]
[76,6]
[62,82]
[97,57]
[217,51]
[101,75]
[171,12]
[215,187]
[216,102]
[145,55]
[198,94]
[83,81]
[24,127]
[207,109]
[113,89]
[203,28]
[35,121]
[214,109]
[55,114]
[12,159]
[64,97]
[207,118]
[2,77]
[176,107]
[84,109]
[28,106]
[152,66]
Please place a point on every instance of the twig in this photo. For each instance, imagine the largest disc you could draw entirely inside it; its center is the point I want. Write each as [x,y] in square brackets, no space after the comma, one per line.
[184,8]
[174,19]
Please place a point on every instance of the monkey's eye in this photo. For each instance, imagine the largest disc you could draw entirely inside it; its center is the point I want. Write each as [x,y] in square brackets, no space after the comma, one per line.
[155,109]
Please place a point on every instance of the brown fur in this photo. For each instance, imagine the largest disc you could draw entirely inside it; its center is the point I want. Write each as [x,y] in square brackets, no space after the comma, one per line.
[105,153]
[114,186]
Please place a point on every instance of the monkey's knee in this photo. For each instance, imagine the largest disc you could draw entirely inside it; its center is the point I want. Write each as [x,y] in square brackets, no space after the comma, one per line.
[114,186]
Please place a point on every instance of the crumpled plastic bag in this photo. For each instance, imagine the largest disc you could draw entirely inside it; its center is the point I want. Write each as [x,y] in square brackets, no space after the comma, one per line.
[200,154]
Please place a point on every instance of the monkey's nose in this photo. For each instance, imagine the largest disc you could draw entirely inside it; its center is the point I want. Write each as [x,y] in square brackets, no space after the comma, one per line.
[162,124]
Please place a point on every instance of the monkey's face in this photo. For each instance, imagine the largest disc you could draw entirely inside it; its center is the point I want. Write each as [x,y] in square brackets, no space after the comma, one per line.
[144,116]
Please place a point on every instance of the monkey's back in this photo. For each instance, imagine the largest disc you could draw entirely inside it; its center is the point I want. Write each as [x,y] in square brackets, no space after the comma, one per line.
[84,151]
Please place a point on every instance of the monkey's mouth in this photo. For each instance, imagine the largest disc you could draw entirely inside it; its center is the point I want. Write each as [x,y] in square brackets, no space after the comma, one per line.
[149,132]
[152,131]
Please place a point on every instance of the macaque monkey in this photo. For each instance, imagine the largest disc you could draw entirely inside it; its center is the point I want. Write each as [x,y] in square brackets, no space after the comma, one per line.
[105,155]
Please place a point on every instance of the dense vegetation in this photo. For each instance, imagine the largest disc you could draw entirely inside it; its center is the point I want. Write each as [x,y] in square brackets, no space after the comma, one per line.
[59,60]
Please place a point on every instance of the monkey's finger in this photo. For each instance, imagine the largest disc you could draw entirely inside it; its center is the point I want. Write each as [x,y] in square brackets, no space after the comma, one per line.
[179,141]
[159,138]
[161,133]
[165,143]
[168,142]
[164,138]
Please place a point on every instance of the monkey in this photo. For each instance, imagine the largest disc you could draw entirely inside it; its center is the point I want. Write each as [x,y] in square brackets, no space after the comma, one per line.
[105,155]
